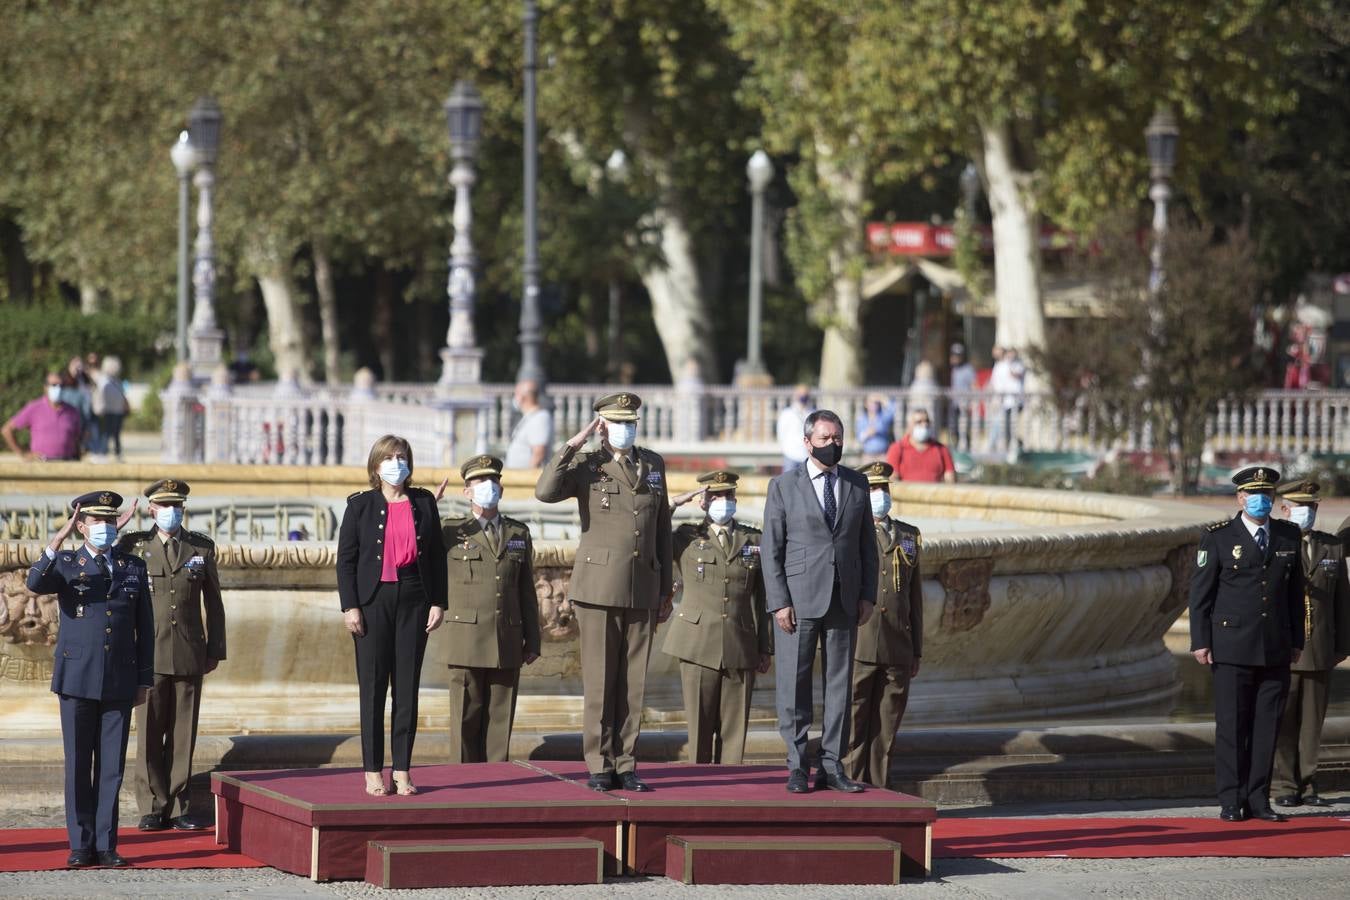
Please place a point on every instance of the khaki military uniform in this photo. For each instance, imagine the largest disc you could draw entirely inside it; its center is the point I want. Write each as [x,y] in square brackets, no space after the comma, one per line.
[189,630]
[622,572]
[887,647]
[1327,629]
[718,632]
[492,623]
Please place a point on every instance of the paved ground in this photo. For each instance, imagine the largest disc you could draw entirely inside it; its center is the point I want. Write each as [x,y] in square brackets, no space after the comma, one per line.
[1032,879]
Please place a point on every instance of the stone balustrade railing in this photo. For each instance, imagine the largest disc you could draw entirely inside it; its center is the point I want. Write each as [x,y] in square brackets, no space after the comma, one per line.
[284,424]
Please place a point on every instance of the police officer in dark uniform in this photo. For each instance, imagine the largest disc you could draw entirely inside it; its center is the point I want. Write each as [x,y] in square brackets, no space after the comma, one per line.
[721,634]
[1247,615]
[189,643]
[104,665]
[1326,630]
[621,582]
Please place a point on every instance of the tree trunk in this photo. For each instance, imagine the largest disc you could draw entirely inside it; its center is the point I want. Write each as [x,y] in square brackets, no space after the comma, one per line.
[284,334]
[1017,249]
[328,314]
[18,268]
[382,322]
[841,355]
[678,309]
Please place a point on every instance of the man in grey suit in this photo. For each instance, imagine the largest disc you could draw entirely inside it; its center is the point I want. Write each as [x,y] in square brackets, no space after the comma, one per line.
[819,558]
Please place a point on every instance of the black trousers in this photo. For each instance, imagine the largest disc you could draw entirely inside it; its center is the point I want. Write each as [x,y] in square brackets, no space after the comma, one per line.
[1248,703]
[389,655]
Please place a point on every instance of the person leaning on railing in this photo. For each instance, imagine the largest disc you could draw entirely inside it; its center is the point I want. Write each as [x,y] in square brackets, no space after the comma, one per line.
[391,573]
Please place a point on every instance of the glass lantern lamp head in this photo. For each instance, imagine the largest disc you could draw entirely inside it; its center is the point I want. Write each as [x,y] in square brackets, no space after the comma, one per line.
[759,170]
[1161,138]
[204,129]
[184,155]
[464,117]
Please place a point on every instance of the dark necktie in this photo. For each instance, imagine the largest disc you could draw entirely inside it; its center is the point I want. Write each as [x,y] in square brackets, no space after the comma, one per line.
[723,541]
[1261,540]
[829,500]
[490,530]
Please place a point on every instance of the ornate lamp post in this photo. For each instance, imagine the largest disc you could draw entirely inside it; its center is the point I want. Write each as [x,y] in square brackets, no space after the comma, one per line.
[184,157]
[616,170]
[759,170]
[531,321]
[462,359]
[206,339]
[1161,138]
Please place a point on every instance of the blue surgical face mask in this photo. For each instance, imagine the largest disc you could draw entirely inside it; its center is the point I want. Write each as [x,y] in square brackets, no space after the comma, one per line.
[622,434]
[1258,506]
[721,510]
[54,393]
[394,471]
[881,504]
[101,534]
[487,494]
[168,518]
[1303,516]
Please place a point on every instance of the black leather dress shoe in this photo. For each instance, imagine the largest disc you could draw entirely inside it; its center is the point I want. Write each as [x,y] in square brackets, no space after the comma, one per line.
[797,783]
[629,781]
[604,781]
[80,859]
[1268,815]
[838,781]
[1316,800]
[112,859]
[152,822]
[1288,800]
[1232,814]
[186,823]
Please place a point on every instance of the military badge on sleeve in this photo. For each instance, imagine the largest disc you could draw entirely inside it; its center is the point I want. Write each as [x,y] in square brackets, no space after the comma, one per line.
[1201,558]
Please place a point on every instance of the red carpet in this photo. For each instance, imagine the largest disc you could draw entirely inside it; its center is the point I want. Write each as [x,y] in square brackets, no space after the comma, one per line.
[44,849]
[1123,838]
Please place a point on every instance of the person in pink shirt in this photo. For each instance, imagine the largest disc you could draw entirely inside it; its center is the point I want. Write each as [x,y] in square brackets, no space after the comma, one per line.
[918,455]
[53,425]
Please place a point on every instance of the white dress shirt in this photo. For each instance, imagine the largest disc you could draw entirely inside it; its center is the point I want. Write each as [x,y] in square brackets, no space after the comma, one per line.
[817,473]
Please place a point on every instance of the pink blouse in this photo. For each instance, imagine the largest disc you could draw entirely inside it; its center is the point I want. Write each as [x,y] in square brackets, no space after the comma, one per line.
[400,540]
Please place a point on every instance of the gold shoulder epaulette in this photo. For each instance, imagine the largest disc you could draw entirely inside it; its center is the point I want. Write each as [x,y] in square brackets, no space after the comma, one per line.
[1215,526]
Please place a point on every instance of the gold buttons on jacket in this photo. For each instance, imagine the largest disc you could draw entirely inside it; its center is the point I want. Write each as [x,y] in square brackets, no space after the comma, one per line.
[635,553]
[107,631]
[110,613]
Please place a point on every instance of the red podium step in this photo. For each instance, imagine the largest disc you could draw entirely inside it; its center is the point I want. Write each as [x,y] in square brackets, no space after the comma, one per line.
[751,859]
[486,862]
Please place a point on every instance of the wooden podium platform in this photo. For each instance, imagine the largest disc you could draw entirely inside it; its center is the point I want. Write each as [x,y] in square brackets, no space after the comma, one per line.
[318,822]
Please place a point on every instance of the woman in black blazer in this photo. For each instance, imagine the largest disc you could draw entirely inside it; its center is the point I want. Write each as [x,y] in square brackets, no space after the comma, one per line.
[392,583]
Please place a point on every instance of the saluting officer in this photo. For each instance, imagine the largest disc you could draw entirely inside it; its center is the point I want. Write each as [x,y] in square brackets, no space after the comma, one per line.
[621,582]
[720,634]
[1247,614]
[890,643]
[1326,630]
[189,643]
[105,664]
[493,617]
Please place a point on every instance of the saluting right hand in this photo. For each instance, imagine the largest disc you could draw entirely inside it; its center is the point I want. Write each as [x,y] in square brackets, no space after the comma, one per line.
[680,500]
[65,530]
[584,435]
[354,621]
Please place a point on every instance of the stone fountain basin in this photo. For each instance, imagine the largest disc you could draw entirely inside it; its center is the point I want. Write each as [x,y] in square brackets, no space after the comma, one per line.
[1037,604]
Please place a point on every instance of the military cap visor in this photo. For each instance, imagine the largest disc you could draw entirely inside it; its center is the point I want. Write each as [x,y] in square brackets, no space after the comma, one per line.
[620,407]
[168,490]
[1257,478]
[1301,491]
[481,466]
[98,503]
[877,473]
[719,482]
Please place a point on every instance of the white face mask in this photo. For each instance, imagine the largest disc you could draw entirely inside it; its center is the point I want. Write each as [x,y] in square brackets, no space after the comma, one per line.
[394,471]
[1303,516]
[921,434]
[168,518]
[53,392]
[487,494]
[881,504]
[101,534]
[621,434]
[721,510]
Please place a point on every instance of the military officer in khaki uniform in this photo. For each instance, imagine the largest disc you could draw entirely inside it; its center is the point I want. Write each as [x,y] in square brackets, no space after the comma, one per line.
[720,633]
[189,643]
[493,618]
[1326,627]
[890,643]
[621,583]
